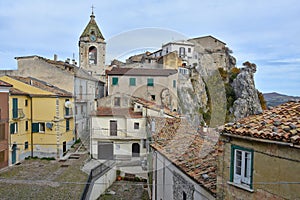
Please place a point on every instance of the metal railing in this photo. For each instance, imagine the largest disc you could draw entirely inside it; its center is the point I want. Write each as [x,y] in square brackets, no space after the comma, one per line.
[95,174]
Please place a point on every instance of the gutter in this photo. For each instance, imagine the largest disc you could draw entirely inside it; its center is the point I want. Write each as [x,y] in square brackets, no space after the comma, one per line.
[261,140]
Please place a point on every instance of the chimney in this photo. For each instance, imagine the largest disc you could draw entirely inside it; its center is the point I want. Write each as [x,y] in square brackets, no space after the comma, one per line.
[73,61]
[55,57]
[67,61]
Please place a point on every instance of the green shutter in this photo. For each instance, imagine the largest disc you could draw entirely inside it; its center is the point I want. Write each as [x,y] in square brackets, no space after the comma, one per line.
[12,128]
[174,83]
[15,108]
[67,125]
[115,80]
[35,127]
[231,163]
[132,82]
[150,82]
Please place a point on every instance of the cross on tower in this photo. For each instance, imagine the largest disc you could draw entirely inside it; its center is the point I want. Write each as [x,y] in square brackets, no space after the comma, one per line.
[93,9]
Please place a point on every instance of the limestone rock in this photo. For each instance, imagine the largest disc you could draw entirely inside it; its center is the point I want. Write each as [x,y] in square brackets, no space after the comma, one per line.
[247,102]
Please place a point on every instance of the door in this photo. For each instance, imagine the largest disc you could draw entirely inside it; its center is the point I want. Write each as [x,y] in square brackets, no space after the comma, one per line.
[14,154]
[105,150]
[135,150]
[113,127]
[64,147]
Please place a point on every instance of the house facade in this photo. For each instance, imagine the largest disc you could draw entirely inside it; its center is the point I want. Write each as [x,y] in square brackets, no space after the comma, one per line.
[41,122]
[69,77]
[261,156]
[157,85]
[4,115]
[119,126]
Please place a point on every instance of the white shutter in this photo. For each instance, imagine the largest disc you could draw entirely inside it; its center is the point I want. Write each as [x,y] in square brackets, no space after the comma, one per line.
[237,178]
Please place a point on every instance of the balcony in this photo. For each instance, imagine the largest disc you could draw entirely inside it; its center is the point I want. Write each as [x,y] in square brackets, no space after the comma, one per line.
[18,114]
[68,113]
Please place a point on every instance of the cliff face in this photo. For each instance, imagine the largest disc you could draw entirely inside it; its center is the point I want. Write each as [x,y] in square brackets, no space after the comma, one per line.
[219,94]
[247,102]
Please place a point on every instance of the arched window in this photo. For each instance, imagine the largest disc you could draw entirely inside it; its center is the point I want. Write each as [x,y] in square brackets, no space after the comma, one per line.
[92,55]
[181,51]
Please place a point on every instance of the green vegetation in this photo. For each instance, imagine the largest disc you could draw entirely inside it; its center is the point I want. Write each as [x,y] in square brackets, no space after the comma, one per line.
[262,100]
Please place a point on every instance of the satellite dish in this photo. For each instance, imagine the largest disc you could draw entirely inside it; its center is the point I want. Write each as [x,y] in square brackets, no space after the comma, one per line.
[68,104]
[49,125]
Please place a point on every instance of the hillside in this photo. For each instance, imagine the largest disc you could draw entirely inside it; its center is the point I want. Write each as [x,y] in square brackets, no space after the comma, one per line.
[275,99]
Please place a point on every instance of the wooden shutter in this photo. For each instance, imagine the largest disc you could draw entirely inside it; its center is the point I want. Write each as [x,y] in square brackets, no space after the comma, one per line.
[15,108]
[35,127]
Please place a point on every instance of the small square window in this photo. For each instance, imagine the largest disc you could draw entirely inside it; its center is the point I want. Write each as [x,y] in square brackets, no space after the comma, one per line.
[132,81]
[136,125]
[150,82]
[115,81]
[67,125]
[152,97]
[26,102]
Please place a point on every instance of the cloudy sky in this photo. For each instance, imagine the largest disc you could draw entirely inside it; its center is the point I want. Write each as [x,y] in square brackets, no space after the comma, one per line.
[265,32]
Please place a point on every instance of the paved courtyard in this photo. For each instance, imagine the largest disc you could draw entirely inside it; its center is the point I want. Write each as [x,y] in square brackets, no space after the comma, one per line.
[126,190]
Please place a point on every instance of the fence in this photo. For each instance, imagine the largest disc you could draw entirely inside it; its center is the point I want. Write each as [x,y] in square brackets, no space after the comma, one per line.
[96,173]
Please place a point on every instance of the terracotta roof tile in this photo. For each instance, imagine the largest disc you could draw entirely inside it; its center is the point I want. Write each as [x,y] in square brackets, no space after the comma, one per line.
[192,151]
[42,85]
[4,84]
[282,123]
[126,112]
[141,72]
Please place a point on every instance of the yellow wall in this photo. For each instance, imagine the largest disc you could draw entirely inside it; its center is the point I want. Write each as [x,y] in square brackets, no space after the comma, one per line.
[43,111]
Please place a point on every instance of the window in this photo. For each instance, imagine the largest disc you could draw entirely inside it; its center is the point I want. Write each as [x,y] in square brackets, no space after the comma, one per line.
[2,132]
[26,125]
[174,83]
[67,125]
[181,51]
[38,127]
[241,166]
[92,55]
[132,81]
[150,82]
[26,145]
[2,156]
[117,101]
[26,102]
[13,128]
[183,196]
[67,110]
[115,80]
[136,125]
[152,97]
[80,92]
[189,50]
[144,143]
[15,108]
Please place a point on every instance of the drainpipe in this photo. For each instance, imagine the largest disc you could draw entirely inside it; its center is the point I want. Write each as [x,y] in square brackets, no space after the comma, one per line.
[31,121]
[57,127]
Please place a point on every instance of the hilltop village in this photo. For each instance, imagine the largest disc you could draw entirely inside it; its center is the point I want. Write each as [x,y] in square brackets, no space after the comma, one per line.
[183,120]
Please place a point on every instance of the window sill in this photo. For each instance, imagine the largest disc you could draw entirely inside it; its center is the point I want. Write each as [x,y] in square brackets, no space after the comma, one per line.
[240,186]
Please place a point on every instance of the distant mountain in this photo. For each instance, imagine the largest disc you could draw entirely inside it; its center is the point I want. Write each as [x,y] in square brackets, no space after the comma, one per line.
[275,99]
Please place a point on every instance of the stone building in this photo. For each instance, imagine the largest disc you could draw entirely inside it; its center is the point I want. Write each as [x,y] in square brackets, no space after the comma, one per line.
[157,85]
[261,156]
[4,116]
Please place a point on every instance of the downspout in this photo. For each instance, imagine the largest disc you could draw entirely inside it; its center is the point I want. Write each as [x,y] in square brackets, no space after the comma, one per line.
[31,122]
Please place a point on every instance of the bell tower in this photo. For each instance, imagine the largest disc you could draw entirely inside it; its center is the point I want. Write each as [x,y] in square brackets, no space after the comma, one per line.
[92,49]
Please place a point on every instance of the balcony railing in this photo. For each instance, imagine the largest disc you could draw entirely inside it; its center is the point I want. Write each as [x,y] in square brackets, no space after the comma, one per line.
[18,114]
[68,113]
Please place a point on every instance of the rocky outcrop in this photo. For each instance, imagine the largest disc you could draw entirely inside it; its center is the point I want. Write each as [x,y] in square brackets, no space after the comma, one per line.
[247,102]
